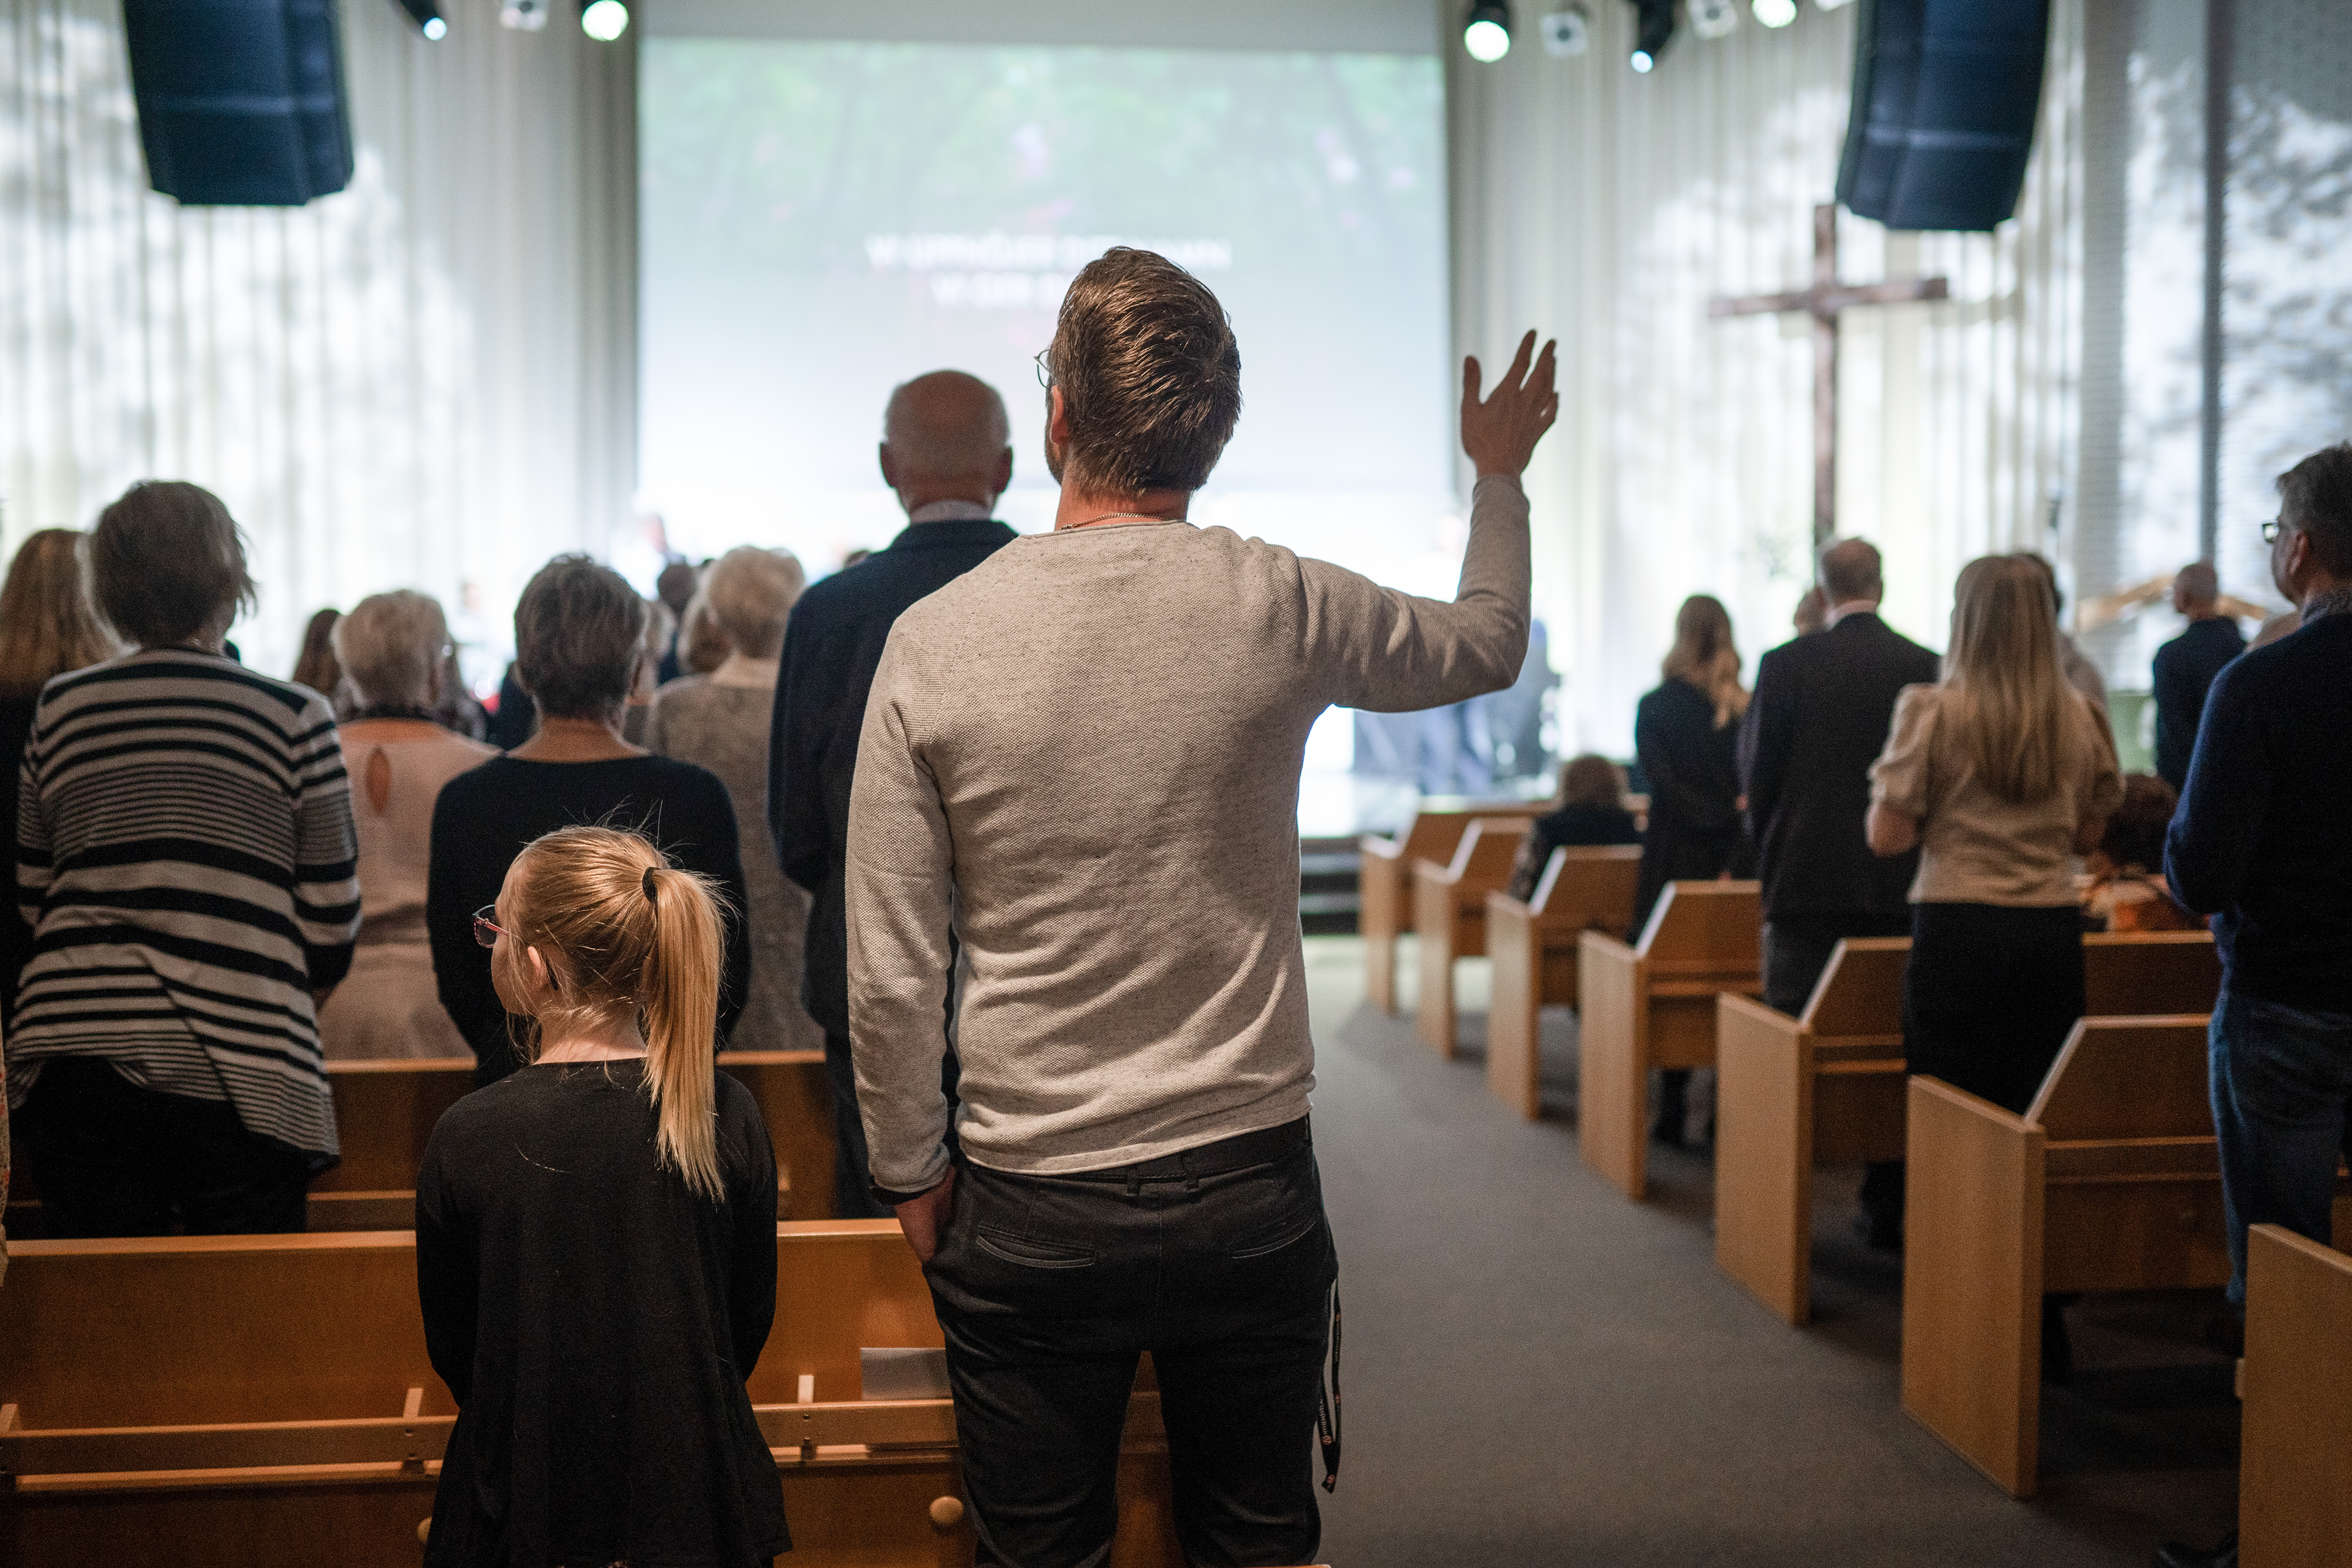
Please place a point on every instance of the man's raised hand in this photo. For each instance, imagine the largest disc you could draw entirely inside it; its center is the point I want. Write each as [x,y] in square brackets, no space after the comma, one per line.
[1501,432]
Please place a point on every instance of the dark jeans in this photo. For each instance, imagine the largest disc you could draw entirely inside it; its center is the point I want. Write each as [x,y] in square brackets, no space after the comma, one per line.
[853,1190]
[1218,1262]
[2282,1083]
[109,1157]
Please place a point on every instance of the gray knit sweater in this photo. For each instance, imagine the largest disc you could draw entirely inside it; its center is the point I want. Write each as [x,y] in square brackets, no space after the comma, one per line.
[1082,755]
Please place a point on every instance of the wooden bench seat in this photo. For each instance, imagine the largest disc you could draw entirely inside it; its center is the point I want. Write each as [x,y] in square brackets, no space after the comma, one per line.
[1449,916]
[242,1402]
[1384,881]
[1533,949]
[1652,1005]
[2295,1505]
[1794,1094]
[2110,1181]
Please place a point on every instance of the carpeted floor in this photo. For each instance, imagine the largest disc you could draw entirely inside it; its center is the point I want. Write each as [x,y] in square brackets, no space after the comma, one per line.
[1538,1371]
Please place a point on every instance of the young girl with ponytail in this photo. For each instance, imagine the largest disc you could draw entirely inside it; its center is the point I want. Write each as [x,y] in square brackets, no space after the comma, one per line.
[596,1238]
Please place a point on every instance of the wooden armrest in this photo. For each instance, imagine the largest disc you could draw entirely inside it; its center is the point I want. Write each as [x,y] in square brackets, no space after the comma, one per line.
[1382,849]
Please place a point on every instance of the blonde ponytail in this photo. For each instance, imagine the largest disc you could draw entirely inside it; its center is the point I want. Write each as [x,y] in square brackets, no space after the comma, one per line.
[631,932]
[679,994]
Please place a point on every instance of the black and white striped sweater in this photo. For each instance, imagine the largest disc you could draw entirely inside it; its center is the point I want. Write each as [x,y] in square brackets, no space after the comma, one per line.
[186,859]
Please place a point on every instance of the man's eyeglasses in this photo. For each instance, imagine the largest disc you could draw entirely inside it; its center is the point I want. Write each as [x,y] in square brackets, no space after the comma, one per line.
[2272,530]
[486,931]
[1045,371]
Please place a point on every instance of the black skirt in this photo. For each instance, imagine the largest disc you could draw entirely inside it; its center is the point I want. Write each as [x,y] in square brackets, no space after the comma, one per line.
[1991,994]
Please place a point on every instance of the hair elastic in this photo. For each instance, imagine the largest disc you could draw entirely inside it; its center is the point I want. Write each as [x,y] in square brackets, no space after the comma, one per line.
[648,885]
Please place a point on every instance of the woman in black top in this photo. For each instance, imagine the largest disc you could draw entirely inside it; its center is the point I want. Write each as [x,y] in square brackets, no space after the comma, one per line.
[1687,737]
[596,1240]
[1591,811]
[579,629]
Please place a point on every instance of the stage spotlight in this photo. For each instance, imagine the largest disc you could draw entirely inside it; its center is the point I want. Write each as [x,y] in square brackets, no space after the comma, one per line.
[1776,12]
[1487,36]
[426,15]
[605,20]
[1715,18]
[1654,30]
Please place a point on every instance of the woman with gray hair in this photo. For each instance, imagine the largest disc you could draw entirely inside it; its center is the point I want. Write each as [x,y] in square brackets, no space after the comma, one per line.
[721,721]
[580,637]
[393,649]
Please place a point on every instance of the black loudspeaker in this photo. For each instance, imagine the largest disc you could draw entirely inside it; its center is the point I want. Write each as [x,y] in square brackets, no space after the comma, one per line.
[240,101]
[1945,97]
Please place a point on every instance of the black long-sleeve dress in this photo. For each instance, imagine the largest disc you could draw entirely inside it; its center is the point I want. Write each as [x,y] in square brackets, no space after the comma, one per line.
[1693,766]
[596,1321]
[481,822]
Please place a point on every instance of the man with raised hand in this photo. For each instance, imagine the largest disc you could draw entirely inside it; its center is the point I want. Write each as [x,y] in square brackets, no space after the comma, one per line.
[1082,758]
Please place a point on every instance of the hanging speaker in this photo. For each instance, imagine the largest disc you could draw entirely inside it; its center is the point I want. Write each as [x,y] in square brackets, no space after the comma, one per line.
[1945,97]
[240,101]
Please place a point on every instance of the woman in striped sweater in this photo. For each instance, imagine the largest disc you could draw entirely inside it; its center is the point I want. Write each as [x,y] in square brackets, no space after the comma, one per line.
[185,858]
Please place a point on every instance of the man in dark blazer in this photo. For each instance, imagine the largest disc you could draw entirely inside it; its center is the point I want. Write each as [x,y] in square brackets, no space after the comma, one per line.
[1818,720]
[946,449]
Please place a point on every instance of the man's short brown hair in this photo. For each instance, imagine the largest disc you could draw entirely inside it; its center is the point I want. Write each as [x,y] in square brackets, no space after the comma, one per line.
[2316,499]
[579,629]
[167,564]
[1151,377]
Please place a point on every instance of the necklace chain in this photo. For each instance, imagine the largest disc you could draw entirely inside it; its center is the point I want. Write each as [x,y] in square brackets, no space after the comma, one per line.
[1128,516]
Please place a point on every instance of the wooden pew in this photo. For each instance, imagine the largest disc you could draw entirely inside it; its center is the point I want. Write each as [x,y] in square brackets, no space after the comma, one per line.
[385,1111]
[1828,1089]
[2110,1181]
[1652,1005]
[1533,947]
[247,1401]
[1449,916]
[2295,1507]
[1384,881]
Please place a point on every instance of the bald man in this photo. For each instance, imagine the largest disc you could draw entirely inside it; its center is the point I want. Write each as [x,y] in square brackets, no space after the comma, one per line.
[947,451]
[2186,666]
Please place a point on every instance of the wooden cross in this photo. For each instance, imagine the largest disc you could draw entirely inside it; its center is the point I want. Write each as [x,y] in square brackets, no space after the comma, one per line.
[1822,301]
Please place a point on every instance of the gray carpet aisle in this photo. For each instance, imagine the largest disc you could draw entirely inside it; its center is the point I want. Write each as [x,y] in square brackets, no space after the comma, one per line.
[1540,1372]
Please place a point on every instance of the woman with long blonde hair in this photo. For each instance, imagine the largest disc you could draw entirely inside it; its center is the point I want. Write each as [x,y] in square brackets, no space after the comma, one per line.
[596,1237]
[2001,774]
[1687,739]
[47,627]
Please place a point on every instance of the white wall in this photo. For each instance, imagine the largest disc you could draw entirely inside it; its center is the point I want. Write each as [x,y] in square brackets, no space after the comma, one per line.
[426,380]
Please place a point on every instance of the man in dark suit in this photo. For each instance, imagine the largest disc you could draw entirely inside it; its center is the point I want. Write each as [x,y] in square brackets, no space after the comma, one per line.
[2186,666]
[1818,718]
[946,449]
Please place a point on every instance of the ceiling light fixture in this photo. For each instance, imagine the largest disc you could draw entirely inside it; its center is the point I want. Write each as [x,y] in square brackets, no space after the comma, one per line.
[1486,35]
[605,20]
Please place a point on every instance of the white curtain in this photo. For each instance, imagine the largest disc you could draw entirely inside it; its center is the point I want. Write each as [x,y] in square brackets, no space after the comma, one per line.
[428,380]
[1608,208]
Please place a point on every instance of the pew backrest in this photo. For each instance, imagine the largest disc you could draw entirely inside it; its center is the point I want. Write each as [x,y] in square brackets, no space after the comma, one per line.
[1486,851]
[2127,1080]
[1861,992]
[2132,974]
[1703,927]
[384,1111]
[1587,888]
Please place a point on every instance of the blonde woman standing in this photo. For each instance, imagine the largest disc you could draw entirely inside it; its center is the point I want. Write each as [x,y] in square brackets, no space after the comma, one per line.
[47,627]
[2001,774]
[596,1237]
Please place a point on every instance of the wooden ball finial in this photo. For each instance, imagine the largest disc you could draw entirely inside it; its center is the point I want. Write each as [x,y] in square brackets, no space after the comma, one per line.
[947,1512]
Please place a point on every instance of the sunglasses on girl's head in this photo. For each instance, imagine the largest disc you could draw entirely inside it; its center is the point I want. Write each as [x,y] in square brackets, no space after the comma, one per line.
[488,930]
